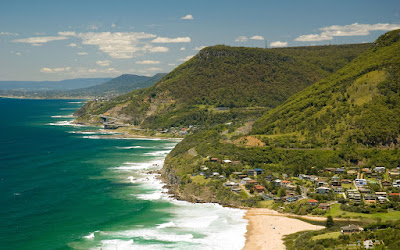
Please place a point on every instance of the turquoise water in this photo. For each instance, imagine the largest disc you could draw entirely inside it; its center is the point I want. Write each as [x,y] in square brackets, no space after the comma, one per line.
[64,187]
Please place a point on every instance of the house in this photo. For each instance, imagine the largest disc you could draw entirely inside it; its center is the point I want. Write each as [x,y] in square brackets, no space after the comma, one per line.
[379,169]
[346,181]
[366,171]
[304,177]
[259,171]
[203,167]
[312,202]
[350,229]
[394,173]
[214,159]
[337,183]
[231,184]
[322,190]
[370,199]
[242,176]
[394,196]
[338,190]
[249,182]
[361,182]
[244,180]
[368,244]
[352,172]
[236,190]
[340,171]
[381,194]
[386,183]
[285,183]
[269,177]
[251,172]
[382,199]
[321,183]
[227,161]
[357,197]
[236,163]
[396,183]
[237,173]
[259,189]
[277,183]
[364,190]
[291,198]
[330,170]
[324,206]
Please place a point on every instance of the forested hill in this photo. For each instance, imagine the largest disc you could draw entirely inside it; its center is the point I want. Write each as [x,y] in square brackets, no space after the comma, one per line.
[358,104]
[244,81]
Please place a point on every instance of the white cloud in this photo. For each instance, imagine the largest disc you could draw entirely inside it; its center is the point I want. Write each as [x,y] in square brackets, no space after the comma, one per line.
[171,64]
[55,70]
[104,63]
[241,39]
[72,45]
[67,33]
[40,40]
[278,44]
[355,29]
[120,44]
[156,49]
[18,53]
[182,49]
[171,40]
[187,17]
[199,48]
[186,58]
[82,53]
[113,25]
[148,62]
[260,38]
[152,69]
[8,34]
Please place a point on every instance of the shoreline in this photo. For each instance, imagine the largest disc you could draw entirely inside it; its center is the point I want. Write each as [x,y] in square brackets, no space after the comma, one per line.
[266,228]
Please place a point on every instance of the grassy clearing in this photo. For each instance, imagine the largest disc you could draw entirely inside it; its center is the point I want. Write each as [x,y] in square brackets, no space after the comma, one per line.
[335,211]
[199,179]
[265,204]
[331,235]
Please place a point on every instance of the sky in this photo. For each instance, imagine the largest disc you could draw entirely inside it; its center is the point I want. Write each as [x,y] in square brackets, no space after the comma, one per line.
[54,40]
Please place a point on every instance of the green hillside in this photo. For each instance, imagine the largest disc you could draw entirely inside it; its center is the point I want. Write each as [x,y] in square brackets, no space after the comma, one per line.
[358,104]
[222,83]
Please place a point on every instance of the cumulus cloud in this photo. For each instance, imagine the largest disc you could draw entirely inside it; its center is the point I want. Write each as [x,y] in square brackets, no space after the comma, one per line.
[40,40]
[93,27]
[182,49]
[55,70]
[120,45]
[199,48]
[8,34]
[241,39]
[355,29]
[67,33]
[186,58]
[278,44]
[148,62]
[260,38]
[113,25]
[82,53]
[72,45]
[171,40]
[104,63]
[187,17]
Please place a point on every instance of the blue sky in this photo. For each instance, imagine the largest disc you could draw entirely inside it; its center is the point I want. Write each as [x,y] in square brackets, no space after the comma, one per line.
[54,40]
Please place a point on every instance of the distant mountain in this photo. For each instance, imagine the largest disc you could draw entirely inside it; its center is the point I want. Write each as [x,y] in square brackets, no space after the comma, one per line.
[223,83]
[118,85]
[51,85]
[359,104]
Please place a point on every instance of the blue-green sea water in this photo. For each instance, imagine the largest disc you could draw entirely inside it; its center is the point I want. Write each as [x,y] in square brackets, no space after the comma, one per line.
[65,187]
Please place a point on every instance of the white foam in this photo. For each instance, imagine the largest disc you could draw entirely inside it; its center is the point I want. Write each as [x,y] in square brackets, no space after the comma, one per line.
[75,102]
[90,236]
[66,123]
[131,147]
[158,153]
[82,132]
[117,244]
[167,224]
[140,165]
[92,137]
[62,116]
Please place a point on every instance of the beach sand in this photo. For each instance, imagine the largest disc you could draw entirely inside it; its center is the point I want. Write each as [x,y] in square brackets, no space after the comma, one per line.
[266,228]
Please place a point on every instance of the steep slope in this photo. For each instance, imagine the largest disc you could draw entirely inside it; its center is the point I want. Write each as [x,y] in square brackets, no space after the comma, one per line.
[358,104]
[244,81]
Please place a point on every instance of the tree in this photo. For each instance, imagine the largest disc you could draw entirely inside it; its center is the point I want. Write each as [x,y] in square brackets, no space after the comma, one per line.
[298,190]
[329,222]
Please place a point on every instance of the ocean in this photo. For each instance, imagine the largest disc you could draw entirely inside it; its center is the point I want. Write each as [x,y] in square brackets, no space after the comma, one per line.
[63,186]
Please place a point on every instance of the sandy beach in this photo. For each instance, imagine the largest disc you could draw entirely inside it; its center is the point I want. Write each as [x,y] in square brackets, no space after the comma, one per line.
[266,228]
